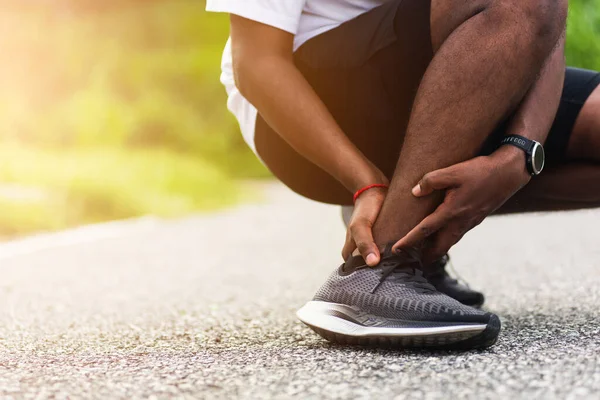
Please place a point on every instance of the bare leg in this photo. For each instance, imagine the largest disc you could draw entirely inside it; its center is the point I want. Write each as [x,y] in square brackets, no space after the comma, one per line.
[488,54]
[574,185]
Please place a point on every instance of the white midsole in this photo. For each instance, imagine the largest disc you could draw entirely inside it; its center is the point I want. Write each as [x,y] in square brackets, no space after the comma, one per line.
[314,313]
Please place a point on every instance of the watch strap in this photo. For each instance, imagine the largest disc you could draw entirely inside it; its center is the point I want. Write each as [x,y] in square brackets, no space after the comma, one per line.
[519,141]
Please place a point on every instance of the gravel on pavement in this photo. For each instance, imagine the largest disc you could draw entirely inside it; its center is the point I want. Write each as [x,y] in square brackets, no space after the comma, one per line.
[203,307]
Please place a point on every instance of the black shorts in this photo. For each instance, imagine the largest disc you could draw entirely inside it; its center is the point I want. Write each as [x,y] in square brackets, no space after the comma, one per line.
[367,72]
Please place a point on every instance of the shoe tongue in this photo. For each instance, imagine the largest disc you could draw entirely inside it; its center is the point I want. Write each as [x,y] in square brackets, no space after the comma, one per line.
[387,252]
[408,258]
[353,263]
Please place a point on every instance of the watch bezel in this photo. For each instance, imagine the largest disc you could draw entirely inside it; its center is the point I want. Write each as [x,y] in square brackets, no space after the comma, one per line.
[532,158]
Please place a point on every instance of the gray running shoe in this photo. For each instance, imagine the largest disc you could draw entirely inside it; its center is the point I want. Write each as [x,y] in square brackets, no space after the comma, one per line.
[439,277]
[393,305]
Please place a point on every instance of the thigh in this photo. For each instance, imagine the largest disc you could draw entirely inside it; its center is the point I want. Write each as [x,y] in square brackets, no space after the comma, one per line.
[584,118]
[367,72]
[575,132]
[566,139]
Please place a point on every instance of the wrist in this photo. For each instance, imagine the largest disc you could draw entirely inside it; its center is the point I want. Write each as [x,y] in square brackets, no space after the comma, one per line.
[368,175]
[513,159]
[378,188]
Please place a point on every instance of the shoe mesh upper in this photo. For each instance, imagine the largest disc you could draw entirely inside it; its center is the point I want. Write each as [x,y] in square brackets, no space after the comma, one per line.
[395,298]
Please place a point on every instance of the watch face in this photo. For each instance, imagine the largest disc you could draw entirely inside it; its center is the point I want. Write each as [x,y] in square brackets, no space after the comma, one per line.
[538,158]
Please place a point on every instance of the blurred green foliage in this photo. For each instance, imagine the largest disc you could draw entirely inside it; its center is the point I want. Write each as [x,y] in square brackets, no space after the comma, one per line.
[583,34]
[114,109]
[139,75]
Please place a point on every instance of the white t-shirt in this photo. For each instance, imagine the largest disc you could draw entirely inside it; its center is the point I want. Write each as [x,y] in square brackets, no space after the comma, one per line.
[303,18]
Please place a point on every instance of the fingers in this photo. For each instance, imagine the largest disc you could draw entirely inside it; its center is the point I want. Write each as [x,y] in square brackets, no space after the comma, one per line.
[349,246]
[430,225]
[436,180]
[361,233]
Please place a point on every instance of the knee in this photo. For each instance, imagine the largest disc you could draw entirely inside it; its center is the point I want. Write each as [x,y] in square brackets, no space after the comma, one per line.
[547,18]
[539,23]
[531,25]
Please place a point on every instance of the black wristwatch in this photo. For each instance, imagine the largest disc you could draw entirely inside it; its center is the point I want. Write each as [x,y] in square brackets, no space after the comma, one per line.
[536,157]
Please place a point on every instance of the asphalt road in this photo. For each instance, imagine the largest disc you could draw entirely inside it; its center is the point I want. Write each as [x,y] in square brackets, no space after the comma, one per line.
[204,308]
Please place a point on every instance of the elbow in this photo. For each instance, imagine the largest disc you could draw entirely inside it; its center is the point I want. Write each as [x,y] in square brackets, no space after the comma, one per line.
[252,74]
[243,76]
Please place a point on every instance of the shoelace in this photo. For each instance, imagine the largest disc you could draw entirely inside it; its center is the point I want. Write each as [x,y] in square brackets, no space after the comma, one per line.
[457,276]
[398,267]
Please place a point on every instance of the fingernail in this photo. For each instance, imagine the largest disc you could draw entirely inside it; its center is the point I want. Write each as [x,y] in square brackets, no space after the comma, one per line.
[371,259]
[416,190]
[398,250]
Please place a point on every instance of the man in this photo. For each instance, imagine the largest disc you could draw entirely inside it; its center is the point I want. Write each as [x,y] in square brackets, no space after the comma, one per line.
[429,115]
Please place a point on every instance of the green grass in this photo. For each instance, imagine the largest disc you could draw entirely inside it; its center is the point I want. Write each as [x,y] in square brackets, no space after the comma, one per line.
[78,186]
[113,109]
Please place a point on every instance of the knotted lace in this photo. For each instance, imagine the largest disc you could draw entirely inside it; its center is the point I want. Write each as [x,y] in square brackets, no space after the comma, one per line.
[400,267]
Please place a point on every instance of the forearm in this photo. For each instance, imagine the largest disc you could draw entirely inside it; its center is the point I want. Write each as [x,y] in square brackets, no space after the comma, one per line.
[291,107]
[536,114]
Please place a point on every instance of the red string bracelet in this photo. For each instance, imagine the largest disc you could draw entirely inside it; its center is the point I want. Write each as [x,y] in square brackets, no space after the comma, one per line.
[361,191]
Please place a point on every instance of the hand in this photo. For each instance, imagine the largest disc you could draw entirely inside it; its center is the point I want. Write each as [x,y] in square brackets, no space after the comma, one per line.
[359,234]
[474,190]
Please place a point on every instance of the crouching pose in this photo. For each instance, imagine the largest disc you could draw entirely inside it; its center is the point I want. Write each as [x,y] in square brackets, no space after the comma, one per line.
[425,116]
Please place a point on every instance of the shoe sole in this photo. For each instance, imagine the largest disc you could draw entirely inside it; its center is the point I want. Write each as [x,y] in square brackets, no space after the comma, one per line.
[336,323]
